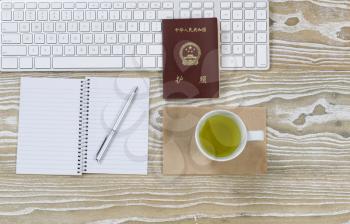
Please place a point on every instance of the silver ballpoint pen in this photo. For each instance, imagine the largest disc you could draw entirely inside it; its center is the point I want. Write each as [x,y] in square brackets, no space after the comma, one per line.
[108,139]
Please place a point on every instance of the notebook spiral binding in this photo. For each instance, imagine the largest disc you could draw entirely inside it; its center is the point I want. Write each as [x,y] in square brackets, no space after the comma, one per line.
[83,126]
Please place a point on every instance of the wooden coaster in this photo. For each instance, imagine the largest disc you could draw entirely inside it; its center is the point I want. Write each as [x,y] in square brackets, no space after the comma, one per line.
[180,153]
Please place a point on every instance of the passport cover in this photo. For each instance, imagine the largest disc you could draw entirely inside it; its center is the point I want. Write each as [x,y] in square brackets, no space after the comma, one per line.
[190,58]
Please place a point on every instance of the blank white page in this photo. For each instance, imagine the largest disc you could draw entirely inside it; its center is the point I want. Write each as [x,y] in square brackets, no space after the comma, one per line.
[128,153]
[48,126]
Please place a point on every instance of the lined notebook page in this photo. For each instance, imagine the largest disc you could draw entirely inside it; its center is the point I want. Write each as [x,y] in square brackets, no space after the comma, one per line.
[128,153]
[48,126]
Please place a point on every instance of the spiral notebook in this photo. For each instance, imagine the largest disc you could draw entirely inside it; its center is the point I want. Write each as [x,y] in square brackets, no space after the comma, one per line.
[62,123]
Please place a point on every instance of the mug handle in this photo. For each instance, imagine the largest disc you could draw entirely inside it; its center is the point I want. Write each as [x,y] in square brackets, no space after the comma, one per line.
[256,136]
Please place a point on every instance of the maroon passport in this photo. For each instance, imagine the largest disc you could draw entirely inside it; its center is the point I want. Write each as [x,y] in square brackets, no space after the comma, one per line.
[190,58]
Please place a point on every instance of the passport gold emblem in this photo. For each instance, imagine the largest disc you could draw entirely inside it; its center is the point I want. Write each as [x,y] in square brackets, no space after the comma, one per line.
[190,53]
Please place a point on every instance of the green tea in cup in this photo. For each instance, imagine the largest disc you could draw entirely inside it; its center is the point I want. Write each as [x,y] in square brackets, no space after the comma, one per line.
[221,135]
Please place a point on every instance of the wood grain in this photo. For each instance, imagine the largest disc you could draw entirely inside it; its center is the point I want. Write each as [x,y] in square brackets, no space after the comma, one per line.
[307,95]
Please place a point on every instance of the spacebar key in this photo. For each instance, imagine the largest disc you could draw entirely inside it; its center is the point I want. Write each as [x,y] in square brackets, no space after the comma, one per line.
[87,62]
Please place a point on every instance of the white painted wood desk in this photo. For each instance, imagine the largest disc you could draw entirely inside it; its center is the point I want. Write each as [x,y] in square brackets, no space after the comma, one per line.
[307,93]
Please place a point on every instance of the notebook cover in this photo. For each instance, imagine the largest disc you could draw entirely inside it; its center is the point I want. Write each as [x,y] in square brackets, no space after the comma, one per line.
[180,153]
[190,58]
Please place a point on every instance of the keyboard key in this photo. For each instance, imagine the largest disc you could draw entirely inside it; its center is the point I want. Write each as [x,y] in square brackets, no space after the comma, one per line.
[118,5]
[117,49]
[18,15]
[237,37]
[150,15]
[237,14]
[27,38]
[129,49]
[111,38]
[42,15]
[143,5]
[39,38]
[114,15]
[87,62]
[166,14]
[9,27]
[42,62]
[249,37]
[11,38]
[130,5]
[106,5]
[68,5]
[149,62]
[57,50]
[156,26]
[10,63]
[225,37]
[225,4]
[155,49]
[261,14]
[26,62]
[132,26]
[33,50]
[196,13]
[31,5]
[93,50]
[225,14]
[261,4]
[249,26]
[87,38]
[14,50]
[51,38]
[81,50]
[135,38]
[208,5]
[43,5]
[237,5]
[147,38]
[155,5]
[123,38]
[6,5]
[56,5]
[45,50]
[196,5]
[126,15]
[185,14]
[105,50]
[81,5]
[138,14]
[168,5]
[261,37]
[18,5]
[249,14]
[248,4]
[261,56]
[232,61]
[6,15]
[208,13]
[238,49]
[225,26]
[249,61]
[225,49]
[237,26]
[249,49]
[261,26]
[132,62]
[141,49]
[184,5]
[120,26]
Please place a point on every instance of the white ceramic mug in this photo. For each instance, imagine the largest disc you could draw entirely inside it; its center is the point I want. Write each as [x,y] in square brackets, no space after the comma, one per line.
[246,135]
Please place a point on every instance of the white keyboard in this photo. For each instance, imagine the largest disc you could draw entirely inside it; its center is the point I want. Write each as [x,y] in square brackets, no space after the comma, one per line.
[123,35]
